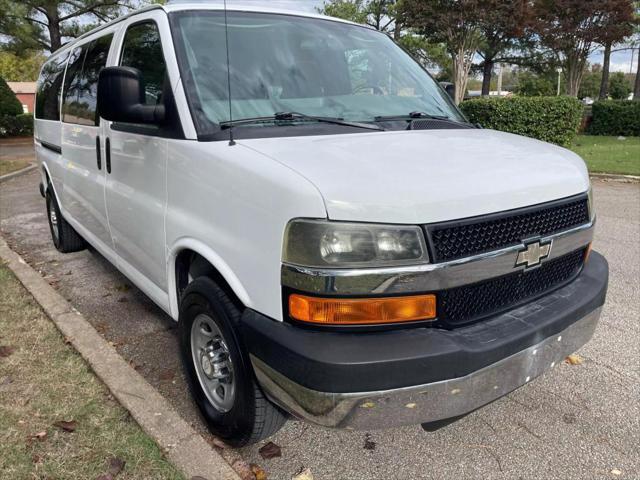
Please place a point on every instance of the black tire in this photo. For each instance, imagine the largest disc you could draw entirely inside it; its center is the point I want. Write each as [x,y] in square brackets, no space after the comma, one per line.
[64,237]
[252,417]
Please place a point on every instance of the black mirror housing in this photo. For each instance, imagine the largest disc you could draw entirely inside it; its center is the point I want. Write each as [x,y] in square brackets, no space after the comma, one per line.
[121,97]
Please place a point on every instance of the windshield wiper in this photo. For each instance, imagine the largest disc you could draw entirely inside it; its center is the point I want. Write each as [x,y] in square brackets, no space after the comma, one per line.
[414,116]
[290,116]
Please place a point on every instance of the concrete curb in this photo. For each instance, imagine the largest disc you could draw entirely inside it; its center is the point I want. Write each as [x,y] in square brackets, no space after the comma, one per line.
[616,178]
[182,445]
[11,175]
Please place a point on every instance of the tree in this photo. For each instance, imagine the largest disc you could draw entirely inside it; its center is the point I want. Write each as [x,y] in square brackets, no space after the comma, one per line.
[20,68]
[533,85]
[503,25]
[619,86]
[45,24]
[454,23]
[9,104]
[379,14]
[590,85]
[614,34]
[573,27]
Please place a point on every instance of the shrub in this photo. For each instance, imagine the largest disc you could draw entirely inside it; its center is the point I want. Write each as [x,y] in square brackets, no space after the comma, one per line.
[615,117]
[9,103]
[18,126]
[551,119]
[619,86]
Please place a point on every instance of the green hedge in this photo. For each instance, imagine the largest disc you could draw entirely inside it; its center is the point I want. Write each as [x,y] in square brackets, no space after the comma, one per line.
[9,103]
[616,117]
[551,119]
[19,126]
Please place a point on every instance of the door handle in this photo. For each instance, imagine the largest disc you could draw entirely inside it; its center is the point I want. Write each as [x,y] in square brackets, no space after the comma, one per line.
[98,153]
[107,147]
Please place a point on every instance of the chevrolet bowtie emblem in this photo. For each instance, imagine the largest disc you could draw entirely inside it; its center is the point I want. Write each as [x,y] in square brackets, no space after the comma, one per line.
[533,254]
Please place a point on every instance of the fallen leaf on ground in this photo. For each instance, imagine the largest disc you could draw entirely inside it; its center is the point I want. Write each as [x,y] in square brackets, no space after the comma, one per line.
[167,374]
[259,472]
[216,442]
[304,474]
[243,470]
[123,288]
[115,466]
[66,425]
[368,443]
[270,450]
[40,435]
[198,478]
[616,472]
[574,359]
[5,351]
[6,381]
[368,405]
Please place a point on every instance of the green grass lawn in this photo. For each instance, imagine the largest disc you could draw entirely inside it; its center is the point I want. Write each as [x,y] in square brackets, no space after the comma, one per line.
[44,381]
[609,154]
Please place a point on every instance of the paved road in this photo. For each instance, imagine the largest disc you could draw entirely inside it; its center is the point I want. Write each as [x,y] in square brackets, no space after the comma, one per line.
[578,421]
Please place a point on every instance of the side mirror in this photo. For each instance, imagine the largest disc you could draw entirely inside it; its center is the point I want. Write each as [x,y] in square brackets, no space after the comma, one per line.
[450,88]
[121,97]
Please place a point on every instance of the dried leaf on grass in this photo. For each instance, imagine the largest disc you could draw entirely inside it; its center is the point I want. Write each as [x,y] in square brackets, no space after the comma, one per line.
[259,472]
[270,450]
[304,474]
[5,351]
[40,435]
[116,465]
[574,359]
[66,425]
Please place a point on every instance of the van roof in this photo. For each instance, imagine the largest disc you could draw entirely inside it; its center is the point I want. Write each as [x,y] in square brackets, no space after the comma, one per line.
[257,6]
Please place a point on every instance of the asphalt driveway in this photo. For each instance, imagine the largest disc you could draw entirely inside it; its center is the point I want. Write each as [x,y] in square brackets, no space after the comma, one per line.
[577,421]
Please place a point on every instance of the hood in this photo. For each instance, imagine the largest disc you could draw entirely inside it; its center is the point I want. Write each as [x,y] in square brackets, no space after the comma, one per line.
[428,176]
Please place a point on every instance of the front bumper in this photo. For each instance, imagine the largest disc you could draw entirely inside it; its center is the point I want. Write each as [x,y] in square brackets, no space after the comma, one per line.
[410,376]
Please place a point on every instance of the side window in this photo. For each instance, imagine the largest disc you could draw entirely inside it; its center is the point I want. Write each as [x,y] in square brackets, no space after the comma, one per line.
[142,49]
[81,81]
[71,83]
[50,88]
[95,61]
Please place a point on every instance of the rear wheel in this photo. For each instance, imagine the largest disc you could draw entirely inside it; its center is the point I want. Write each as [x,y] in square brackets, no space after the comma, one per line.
[64,237]
[218,368]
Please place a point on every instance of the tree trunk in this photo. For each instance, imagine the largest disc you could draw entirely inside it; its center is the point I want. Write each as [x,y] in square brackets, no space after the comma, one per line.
[53,20]
[636,88]
[487,70]
[574,72]
[461,67]
[606,63]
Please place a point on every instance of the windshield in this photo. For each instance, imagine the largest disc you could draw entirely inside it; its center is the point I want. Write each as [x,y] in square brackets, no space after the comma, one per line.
[282,63]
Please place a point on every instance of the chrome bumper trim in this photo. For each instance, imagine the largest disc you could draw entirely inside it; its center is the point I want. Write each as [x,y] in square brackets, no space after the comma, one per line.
[424,403]
[427,277]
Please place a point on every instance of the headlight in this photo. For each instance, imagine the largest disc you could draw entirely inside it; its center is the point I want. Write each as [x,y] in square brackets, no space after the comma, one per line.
[318,243]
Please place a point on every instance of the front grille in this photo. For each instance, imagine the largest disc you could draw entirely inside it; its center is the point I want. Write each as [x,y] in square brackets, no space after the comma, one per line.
[472,302]
[453,240]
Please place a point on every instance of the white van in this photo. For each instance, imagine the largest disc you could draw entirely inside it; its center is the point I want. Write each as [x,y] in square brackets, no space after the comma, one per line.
[334,238]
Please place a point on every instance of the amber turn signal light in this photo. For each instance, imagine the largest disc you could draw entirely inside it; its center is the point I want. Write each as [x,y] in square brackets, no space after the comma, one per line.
[587,252]
[361,311]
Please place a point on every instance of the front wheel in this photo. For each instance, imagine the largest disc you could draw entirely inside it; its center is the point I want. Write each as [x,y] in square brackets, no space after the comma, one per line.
[218,369]
[64,237]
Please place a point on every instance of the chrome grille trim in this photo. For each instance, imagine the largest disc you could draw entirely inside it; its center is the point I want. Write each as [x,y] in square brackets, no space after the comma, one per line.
[426,277]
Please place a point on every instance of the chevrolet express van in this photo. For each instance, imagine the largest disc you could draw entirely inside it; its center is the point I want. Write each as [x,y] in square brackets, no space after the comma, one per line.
[335,240]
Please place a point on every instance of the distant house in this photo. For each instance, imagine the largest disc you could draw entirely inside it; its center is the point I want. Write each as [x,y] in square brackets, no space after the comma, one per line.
[26,93]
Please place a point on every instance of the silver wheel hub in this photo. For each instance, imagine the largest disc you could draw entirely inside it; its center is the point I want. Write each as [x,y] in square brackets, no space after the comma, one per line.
[213,363]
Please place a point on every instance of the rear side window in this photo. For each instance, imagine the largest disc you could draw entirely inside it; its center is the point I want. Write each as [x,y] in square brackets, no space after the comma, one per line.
[50,88]
[142,49]
[81,83]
